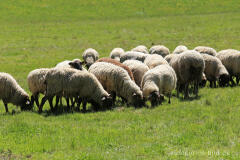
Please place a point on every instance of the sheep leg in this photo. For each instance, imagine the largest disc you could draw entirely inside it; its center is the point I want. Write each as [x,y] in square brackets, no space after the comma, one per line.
[232,82]
[186,94]
[215,85]
[44,99]
[196,85]
[169,97]
[237,79]
[36,100]
[178,87]
[72,101]
[6,107]
[50,103]
[57,100]
[79,101]
[32,100]
[84,105]
[67,100]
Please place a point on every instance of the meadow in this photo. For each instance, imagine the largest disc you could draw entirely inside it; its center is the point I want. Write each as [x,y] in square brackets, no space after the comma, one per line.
[41,33]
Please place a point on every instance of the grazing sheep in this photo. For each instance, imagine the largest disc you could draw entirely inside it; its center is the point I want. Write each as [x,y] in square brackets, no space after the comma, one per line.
[189,67]
[141,48]
[154,60]
[179,49]
[133,55]
[206,50]
[109,60]
[215,70]
[73,83]
[76,63]
[160,50]
[116,53]
[90,55]
[138,70]
[159,81]
[231,60]
[11,92]
[36,79]
[169,57]
[116,81]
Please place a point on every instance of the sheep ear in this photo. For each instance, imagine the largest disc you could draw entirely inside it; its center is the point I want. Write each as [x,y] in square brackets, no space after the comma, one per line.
[134,94]
[103,98]
[71,63]
[27,102]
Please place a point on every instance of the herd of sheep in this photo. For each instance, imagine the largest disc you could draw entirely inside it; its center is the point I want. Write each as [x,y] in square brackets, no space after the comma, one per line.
[135,76]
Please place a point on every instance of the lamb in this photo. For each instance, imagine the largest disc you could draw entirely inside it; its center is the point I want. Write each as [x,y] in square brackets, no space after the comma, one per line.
[160,50]
[154,60]
[138,70]
[116,53]
[11,92]
[158,81]
[189,67]
[141,48]
[215,70]
[231,60]
[90,55]
[76,63]
[74,83]
[133,55]
[206,50]
[179,49]
[115,62]
[116,81]
[36,79]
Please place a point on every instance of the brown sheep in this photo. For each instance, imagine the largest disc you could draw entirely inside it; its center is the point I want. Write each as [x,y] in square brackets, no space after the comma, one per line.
[117,63]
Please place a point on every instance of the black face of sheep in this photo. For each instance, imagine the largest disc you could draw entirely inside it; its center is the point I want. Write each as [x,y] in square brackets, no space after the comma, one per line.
[154,98]
[26,104]
[107,101]
[138,100]
[223,80]
[76,64]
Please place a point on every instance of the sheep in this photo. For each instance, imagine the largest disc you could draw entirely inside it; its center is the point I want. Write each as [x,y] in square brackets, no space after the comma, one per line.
[133,55]
[160,50]
[116,81]
[169,57]
[11,92]
[76,63]
[89,56]
[206,50]
[138,69]
[179,49]
[116,53]
[36,79]
[159,81]
[154,60]
[115,62]
[141,48]
[75,83]
[189,67]
[231,60]
[215,70]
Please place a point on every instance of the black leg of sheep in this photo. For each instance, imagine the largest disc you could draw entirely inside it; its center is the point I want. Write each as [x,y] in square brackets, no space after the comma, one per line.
[6,107]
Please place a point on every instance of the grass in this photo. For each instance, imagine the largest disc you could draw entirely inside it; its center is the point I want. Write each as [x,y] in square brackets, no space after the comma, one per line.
[35,34]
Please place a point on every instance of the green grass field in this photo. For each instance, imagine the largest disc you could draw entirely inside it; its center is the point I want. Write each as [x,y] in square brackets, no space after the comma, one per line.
[41,33]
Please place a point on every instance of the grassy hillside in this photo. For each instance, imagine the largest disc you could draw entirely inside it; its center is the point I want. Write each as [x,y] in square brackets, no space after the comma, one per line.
[35,34]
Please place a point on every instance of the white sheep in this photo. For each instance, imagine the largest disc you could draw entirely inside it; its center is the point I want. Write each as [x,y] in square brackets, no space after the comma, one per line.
[215,70]
[230,58]
[179,49]
[116,53]
[189,67]
[159,81]
[133,55]
[141,48]
[116,81]
[206,50]
[138,70]
[160,50]
[36,79]
[11,92]
[154,60]
[89,56]
[73,83]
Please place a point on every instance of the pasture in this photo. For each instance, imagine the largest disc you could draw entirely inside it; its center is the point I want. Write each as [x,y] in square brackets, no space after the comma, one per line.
[39,34]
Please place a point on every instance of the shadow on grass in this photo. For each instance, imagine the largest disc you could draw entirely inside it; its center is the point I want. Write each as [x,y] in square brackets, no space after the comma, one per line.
[189,99]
